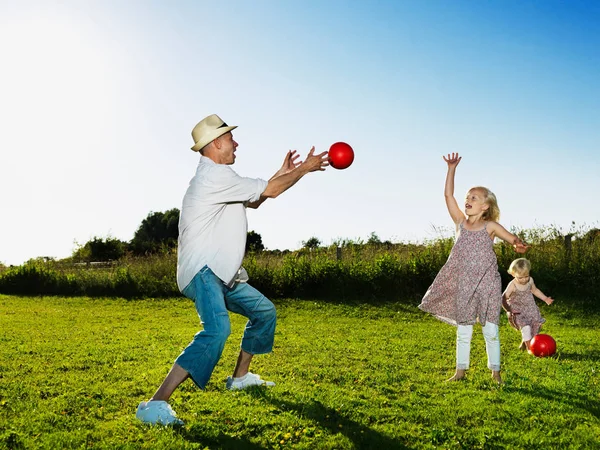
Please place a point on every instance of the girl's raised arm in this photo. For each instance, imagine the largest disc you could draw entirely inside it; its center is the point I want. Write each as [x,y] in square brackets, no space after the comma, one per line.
[455,212]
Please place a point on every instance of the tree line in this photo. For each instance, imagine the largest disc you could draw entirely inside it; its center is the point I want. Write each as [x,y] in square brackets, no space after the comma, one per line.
[157,234]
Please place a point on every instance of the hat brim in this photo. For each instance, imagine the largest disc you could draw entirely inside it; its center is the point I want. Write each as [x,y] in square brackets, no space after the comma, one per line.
[209,137]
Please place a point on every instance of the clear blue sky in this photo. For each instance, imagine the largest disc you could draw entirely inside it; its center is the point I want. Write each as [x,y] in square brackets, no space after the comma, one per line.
[98,99]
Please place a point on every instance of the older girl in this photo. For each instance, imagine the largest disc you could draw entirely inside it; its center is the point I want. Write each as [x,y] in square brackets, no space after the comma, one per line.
[468,288]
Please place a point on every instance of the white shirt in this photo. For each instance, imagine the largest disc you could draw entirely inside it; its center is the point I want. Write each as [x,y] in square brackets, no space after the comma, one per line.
[212,224]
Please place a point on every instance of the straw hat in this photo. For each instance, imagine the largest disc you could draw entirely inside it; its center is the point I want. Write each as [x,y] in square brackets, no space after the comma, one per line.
[207,130]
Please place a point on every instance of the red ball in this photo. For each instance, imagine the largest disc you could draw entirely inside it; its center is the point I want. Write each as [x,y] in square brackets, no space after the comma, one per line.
[341,155]
[542,345]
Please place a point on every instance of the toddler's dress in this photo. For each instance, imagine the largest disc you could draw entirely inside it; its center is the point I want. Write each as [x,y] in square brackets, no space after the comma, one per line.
[468,287]
[522,301]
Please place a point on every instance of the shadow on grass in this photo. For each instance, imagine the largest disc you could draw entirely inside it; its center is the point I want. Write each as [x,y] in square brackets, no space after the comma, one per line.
[198,434]
[577,401]
[591,356]
[328,418]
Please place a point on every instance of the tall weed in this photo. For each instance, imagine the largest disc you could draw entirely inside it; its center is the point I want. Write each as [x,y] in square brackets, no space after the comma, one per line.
[562,263]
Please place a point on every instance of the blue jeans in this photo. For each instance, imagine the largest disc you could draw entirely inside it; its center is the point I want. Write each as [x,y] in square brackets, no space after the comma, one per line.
[213,299]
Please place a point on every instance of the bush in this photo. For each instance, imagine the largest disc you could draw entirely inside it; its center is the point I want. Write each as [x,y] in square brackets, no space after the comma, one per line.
[561,264]
[152,276]
[99,249]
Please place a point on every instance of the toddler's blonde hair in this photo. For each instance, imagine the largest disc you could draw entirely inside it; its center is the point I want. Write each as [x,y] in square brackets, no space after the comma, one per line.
[493,212]
[520,267]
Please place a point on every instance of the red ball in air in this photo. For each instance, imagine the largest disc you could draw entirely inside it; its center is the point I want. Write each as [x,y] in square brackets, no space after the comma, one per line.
[542,345]
[341,155]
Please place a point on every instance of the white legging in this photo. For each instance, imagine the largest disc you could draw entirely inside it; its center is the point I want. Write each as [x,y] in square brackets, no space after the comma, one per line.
[526,333]
[492,345]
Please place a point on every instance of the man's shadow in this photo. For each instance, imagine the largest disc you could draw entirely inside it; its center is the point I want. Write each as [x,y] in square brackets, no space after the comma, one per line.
[361,436]
[199,434]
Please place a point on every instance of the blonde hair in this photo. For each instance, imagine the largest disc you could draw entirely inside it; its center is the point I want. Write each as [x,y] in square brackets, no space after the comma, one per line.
[493,212]
[520,266]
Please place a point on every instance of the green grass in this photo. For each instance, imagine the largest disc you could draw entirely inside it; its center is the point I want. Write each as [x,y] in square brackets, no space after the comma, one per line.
[73,370]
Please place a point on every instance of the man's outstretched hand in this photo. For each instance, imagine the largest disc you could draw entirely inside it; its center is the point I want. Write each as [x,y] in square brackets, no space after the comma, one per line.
[316,162]
[289,163]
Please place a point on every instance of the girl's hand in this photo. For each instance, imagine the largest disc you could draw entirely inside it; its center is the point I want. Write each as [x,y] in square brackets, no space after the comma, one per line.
[452,160]
[549,300]
[520,246]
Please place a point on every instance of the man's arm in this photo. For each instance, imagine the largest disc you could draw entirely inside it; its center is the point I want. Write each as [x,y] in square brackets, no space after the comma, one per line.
[285,179]
[289,164]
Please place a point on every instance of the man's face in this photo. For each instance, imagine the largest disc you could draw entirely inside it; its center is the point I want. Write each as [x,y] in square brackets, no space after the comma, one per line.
[226,148]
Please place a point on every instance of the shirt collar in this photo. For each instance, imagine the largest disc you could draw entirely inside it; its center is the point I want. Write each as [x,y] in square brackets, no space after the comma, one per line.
[207,161]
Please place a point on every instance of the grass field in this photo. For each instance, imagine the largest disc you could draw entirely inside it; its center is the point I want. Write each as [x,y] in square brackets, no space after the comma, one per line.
[72,372]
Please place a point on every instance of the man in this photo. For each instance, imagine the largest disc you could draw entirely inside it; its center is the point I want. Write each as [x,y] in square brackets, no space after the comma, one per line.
[212,240]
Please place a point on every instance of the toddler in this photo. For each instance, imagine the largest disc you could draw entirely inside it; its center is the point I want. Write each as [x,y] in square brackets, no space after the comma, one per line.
[519,304]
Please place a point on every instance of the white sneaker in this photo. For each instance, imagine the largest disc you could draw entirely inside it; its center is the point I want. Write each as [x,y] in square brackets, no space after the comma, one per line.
[157,412]
[248,380]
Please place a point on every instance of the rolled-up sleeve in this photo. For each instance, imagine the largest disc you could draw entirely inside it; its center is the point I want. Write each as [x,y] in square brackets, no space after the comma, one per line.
[229,187]
[260,188]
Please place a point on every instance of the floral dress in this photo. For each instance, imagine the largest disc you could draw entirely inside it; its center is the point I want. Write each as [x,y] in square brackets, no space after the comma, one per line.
[468,288]
[522,302]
